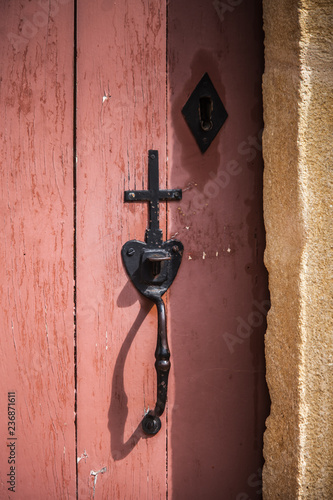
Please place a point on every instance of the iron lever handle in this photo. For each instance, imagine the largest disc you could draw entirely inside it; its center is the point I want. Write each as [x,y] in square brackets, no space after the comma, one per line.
[151,422]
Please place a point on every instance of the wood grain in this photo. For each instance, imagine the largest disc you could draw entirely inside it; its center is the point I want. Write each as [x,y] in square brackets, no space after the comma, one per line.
[137,63]
[36,251]
[121,114]
[218,397]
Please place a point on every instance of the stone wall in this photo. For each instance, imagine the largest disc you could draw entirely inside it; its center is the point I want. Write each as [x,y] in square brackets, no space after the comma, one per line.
[298,199]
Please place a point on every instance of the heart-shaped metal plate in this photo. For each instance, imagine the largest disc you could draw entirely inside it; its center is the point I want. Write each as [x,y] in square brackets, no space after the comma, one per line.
[152,269]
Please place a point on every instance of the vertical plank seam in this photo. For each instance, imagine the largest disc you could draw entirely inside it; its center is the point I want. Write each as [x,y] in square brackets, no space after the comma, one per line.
[166,215]
[75,237]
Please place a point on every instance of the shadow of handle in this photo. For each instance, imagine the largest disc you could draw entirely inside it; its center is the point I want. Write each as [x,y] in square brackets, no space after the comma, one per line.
[151,422]
[118,410]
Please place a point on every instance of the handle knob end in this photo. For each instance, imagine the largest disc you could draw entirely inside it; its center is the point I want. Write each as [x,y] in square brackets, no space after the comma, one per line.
[151,424]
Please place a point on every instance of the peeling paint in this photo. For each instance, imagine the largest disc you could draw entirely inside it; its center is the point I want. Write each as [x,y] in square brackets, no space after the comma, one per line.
[95,474]
[181,212]
[203,255]
[84,455]
[106,97]
[190,185]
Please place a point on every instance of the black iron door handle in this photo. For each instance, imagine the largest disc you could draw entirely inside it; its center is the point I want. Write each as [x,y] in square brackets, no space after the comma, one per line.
[151,422]
[152,266]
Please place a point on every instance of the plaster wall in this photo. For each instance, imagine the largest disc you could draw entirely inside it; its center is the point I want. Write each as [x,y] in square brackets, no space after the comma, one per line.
[298,178]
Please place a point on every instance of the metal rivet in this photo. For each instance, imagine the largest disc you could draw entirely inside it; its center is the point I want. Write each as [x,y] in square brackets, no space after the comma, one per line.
[130,252]
[152,157]
[175,249]
[131,195]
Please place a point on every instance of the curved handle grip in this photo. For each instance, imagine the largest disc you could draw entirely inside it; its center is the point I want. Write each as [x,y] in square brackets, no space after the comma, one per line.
[151,422]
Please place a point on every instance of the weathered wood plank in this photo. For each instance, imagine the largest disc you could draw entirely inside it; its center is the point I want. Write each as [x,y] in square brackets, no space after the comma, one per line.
[36,251]
[218,397]
[121,114]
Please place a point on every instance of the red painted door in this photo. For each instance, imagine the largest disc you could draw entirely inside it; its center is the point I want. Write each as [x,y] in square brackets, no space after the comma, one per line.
[82,383]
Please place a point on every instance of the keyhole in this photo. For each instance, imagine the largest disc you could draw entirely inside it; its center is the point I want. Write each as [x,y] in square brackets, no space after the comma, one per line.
[156,268]
[205,110]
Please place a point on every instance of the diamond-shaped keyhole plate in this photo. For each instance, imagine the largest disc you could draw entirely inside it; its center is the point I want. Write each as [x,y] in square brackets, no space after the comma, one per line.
[204,113]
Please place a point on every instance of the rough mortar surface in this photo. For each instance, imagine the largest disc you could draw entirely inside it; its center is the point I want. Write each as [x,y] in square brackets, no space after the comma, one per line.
[298,178]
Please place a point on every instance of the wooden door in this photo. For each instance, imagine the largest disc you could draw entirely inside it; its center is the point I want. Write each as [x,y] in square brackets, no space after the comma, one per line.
[85,97]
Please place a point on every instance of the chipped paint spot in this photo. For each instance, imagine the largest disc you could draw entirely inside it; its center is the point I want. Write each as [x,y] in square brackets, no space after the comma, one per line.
[84,455]
[217,254]
[187,227]
[181,212]
[95,474]
[189,257]
[203,255]
[190,185]
[228,249]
